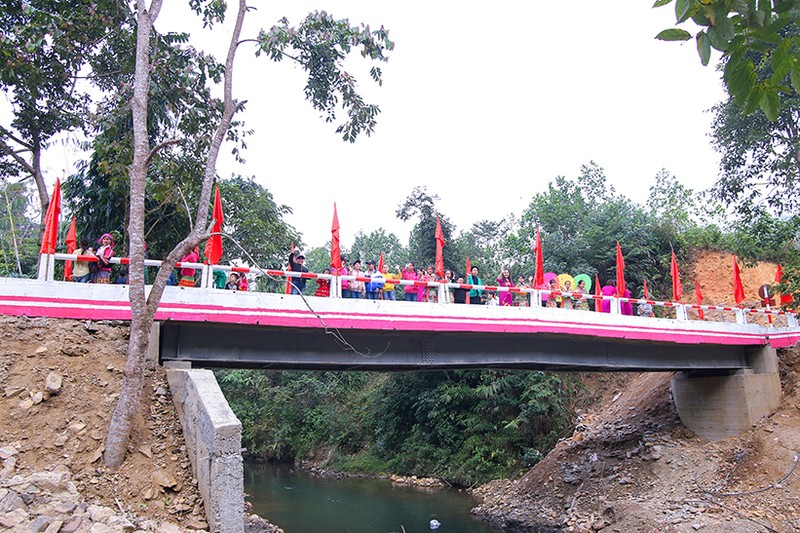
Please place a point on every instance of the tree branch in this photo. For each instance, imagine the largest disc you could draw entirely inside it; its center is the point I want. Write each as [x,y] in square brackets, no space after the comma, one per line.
[159,147]
[8,150]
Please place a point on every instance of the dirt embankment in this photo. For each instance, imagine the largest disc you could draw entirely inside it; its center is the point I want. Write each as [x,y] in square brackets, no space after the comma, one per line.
[631,466]
[59,381]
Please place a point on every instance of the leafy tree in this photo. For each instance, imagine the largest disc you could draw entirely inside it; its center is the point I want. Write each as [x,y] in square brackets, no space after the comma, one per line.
[45,48]
[255,223]
[750,35]
[422,241]
[759,158]
[366,247]
[319,45]
[18,233]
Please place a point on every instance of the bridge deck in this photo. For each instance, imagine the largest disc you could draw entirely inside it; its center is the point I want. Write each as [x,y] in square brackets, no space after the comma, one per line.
[225,328]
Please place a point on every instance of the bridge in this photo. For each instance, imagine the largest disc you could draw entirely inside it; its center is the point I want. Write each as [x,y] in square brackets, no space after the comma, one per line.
[727,371]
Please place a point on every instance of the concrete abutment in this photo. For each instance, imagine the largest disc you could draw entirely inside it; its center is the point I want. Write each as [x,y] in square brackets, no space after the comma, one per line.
[724,405]
[213,438]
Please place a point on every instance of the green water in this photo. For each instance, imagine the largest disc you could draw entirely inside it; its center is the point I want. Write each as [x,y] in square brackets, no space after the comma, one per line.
[300,503]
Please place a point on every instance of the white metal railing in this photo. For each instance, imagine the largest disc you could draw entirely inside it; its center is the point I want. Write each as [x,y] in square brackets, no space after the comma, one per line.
[533,296]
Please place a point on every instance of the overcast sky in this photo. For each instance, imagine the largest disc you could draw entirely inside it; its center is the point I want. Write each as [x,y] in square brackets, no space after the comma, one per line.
[484,104]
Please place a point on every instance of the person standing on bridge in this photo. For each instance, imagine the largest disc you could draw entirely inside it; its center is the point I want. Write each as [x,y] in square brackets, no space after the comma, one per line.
[187,273]
[411,290]
[81,272]
[375,285]
[610,289]
[104,255]
[475,295]
[357,287]
[504,280]
[297,264]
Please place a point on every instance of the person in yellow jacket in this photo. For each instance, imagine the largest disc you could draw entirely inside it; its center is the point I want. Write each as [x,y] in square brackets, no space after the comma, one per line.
[388,286]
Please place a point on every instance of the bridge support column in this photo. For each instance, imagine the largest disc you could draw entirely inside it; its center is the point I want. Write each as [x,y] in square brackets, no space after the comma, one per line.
[720,406]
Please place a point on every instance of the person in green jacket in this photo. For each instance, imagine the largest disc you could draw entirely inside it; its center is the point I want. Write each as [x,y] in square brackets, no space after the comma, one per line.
[475,295]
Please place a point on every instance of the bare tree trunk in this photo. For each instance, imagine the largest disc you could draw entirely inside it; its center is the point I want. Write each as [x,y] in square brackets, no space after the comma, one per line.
[143,310]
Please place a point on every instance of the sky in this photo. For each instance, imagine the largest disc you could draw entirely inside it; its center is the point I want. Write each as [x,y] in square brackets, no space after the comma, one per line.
[482,103]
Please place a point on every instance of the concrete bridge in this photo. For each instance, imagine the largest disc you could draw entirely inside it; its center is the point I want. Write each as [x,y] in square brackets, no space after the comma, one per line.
[727,371]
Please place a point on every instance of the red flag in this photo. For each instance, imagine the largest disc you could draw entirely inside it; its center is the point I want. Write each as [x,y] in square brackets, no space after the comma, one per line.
[50,237]
[620,272]
[598,305]
[538,277]
[336,251]
[439,248]
[213,249]
[380,263]
[72,244]
[646,293]
[785,298]
[288,289]
[677,288]
[469,271]
[738,289]
[699,295]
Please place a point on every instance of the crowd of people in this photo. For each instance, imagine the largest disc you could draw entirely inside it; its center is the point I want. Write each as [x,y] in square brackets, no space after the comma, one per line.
[562,291]
[383,282]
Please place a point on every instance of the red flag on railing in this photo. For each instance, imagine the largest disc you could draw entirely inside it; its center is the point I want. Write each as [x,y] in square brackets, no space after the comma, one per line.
[288,289]
[738,289]
[50,237]
[439,248]
[785,298]
[538,275]
[646,292]
[620,272]
[336,251]
[468,266]
[598,305]
[213,248]
[72,244]
[677,288]
[699,294]
[380,263]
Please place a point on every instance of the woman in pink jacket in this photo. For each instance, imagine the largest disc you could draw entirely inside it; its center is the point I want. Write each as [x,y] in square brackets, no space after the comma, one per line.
[411,291]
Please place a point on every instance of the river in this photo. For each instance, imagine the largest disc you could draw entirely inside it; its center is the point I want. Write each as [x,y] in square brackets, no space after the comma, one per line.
[301,503]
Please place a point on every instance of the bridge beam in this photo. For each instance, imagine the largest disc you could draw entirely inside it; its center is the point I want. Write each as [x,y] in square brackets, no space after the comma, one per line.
[718,406]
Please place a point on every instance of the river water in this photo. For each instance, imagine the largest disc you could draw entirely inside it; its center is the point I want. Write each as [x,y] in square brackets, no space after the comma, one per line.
[300,503]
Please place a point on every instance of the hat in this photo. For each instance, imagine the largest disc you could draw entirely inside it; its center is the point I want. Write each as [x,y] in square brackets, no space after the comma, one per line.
[300,256]
[371,262]
[103,236]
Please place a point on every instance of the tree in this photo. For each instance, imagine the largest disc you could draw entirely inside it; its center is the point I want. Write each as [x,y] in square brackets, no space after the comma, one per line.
[760,158]
[45,47]
[319,45]
[422,241]
[750,35]
[18,233]
[255,222]
[366,247]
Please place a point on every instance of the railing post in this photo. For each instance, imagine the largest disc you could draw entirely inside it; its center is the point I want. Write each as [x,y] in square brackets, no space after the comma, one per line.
[536,298]
[616,308]
[204,276]
[680,312]
[740,318]
[44,260]
[336,286]
[791,319]
[444,294]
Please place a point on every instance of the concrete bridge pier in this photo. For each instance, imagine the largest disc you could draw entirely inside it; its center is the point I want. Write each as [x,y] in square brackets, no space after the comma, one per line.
[718,406]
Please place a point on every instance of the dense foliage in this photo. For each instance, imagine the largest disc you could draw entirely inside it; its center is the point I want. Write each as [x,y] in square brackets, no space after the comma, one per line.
[464,426]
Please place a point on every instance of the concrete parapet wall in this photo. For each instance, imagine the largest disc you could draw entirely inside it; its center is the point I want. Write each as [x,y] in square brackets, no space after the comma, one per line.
[213,437]
[720,406]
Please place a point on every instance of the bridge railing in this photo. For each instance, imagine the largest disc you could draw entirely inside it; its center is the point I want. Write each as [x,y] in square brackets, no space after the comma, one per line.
[534,297]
